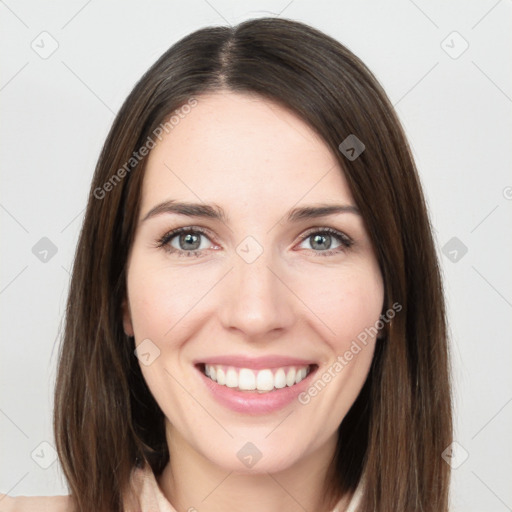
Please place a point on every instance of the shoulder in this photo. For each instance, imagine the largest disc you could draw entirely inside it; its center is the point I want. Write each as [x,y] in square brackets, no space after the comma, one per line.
[35,503]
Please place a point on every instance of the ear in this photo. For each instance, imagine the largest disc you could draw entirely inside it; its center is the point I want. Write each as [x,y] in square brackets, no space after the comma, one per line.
[127,319]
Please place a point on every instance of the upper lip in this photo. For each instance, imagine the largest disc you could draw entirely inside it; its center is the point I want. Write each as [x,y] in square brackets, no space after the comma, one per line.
[255,363]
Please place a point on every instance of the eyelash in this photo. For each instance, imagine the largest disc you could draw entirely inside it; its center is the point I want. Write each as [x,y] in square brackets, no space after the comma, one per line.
[163,242]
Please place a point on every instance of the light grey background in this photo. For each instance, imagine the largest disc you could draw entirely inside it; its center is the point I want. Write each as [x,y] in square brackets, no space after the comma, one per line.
[455,107]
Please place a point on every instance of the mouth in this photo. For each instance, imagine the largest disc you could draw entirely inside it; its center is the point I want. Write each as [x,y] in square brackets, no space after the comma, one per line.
[263,380]
[255,386]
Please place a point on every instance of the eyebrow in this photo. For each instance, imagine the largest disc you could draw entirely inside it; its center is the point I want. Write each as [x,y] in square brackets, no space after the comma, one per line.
[216,212]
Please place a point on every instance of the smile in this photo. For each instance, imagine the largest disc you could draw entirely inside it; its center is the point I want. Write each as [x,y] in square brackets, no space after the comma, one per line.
[263,381]
[255,386]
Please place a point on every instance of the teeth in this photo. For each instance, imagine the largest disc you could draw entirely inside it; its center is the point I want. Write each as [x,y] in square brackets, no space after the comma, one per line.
[290,377]
[246,379]
[262,381]
[231,378]
[300,375]
[265,380]
[280,379]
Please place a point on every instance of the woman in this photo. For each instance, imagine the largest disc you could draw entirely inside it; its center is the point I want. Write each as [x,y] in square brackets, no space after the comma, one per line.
[255,318]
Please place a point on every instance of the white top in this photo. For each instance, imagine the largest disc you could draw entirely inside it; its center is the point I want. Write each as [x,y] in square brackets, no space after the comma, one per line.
[146,497]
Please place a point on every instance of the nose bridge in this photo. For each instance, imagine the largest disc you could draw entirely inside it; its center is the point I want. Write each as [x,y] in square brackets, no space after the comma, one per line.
[257,302]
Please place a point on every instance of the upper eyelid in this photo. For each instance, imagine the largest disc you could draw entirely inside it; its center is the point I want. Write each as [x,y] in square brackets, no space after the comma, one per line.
[320,229]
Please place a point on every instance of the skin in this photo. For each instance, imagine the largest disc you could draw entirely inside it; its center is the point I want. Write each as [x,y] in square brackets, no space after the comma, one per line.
[256,160]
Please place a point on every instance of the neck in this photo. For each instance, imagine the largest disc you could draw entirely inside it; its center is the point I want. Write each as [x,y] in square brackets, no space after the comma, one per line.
[193,483]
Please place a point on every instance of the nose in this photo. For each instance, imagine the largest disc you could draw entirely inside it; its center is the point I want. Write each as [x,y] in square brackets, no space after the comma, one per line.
[256,300]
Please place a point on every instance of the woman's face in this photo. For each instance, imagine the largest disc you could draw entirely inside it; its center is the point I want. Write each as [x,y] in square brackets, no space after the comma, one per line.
[253,291]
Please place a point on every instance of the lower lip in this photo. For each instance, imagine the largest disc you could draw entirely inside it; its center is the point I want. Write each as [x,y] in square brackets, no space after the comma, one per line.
[252,402]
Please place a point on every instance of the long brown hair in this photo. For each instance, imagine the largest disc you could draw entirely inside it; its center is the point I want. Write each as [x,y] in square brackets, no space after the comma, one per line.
[105,417]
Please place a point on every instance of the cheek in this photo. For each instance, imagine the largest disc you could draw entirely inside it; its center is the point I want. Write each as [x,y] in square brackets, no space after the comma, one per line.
[348,303]
[160,298]
[350,308]
[160,306]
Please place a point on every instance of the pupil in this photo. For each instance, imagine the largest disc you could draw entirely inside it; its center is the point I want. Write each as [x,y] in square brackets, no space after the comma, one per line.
[189,238]
[318,239]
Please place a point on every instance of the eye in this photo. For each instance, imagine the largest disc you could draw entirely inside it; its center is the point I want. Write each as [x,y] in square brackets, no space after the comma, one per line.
[321,241]
[184,241]
[187,241]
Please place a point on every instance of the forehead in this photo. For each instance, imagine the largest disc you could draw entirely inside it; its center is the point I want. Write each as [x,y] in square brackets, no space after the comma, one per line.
[242,150]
